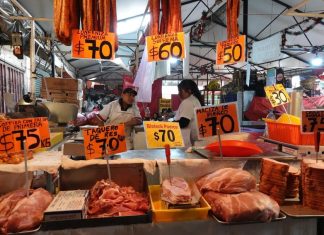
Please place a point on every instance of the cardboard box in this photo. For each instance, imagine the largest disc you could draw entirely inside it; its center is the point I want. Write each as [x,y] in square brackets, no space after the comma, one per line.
[67,205]
[60,94]
[66,84]
[73,148]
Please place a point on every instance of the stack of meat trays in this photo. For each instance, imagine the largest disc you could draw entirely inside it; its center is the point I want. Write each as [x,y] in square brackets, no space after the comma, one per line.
[292,182]
[313,184]
[273,179]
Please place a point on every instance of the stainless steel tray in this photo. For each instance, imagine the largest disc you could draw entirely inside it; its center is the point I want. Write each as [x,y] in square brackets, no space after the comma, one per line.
[297,210]
[275,155]
[282,216]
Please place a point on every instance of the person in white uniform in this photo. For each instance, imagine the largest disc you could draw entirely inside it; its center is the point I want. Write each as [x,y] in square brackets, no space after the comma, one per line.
[191,99]
[123,110]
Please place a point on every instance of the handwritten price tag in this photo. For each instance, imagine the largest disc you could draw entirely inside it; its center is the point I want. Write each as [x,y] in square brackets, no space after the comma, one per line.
[164,104]
[106,138]
[313,120]
[231,51]
[277,95]
[222,116]
[14,132]
[158,134]
[165,46]
[93,45]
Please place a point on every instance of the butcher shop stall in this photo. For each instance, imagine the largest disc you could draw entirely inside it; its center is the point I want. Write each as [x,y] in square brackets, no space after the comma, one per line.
[161,117]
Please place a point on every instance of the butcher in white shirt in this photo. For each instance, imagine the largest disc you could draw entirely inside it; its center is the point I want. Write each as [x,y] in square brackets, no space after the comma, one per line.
[123,110]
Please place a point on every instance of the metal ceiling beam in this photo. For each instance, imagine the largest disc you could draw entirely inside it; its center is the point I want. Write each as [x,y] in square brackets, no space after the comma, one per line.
[310,43]
[191,12]
[286,5]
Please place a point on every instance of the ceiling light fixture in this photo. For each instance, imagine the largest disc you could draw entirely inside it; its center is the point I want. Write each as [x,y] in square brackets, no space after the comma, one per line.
[317,61]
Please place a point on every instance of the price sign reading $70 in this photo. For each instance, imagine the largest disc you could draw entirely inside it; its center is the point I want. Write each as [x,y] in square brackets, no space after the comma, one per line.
[105,140]
[158,134]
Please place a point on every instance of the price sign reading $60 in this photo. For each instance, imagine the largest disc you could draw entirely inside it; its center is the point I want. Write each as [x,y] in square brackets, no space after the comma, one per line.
[105,140]
[158,134]
[222,117]
[165,46]
[277,95]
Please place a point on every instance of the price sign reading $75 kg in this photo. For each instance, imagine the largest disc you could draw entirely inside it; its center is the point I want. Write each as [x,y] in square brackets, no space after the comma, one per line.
[105,140]
[231,51]
[13,133]
[313,120]
[165,46]
[277,95]
[93,45]
[222,117]
[158,134]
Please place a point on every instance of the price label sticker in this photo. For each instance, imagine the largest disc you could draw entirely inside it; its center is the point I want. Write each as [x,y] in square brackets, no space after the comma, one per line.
[158,134]
[231,51]
[93,45]
[110,138]
[277,95]
[224,117]
[165,46]
[313,120]
[34,131]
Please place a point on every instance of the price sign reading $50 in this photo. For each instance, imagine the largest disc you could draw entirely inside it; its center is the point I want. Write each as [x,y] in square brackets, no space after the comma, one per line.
[165,46]
[222,117]
[158,134]
[231,51]
[105,140]
[277,95]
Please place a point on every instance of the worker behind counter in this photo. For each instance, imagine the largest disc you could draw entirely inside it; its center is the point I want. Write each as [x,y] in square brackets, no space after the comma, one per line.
[124,110]
[190,99]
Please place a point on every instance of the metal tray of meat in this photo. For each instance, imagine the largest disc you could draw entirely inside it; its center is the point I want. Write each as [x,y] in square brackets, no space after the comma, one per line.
[128,174]
[297,210]
[96,222]
[281,217]
[28,231]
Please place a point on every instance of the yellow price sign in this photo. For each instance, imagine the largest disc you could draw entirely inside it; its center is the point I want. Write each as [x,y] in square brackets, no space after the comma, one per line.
[231,51]
[105,140]
[277,95]
[93,45]
[222,117]
[33,131]
[313,120]
[165,46]
[158,134]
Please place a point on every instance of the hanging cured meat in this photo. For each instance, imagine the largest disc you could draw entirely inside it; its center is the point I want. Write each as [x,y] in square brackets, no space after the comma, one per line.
[232,13]
[66,18]
[171,21]
[96,15]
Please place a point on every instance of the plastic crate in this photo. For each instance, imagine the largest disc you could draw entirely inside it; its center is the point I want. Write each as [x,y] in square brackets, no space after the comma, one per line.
[169,215]
[291,134]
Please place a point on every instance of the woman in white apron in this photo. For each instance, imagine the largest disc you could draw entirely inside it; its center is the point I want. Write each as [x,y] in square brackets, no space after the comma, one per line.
[124,111]
[191,99]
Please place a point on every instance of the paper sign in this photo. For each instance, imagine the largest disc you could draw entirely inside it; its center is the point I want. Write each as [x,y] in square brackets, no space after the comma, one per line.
[93,45]
[277,95]
[222,116]
[165,104]
[313,120]
[231,51]
[165,46]
[158,134]
[110,138]
[14,132]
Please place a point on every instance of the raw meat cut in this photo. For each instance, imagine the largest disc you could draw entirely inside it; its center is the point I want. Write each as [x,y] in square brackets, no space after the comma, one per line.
[247,206]
[176,190]
[227,180]
[109,199]
[25,213]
